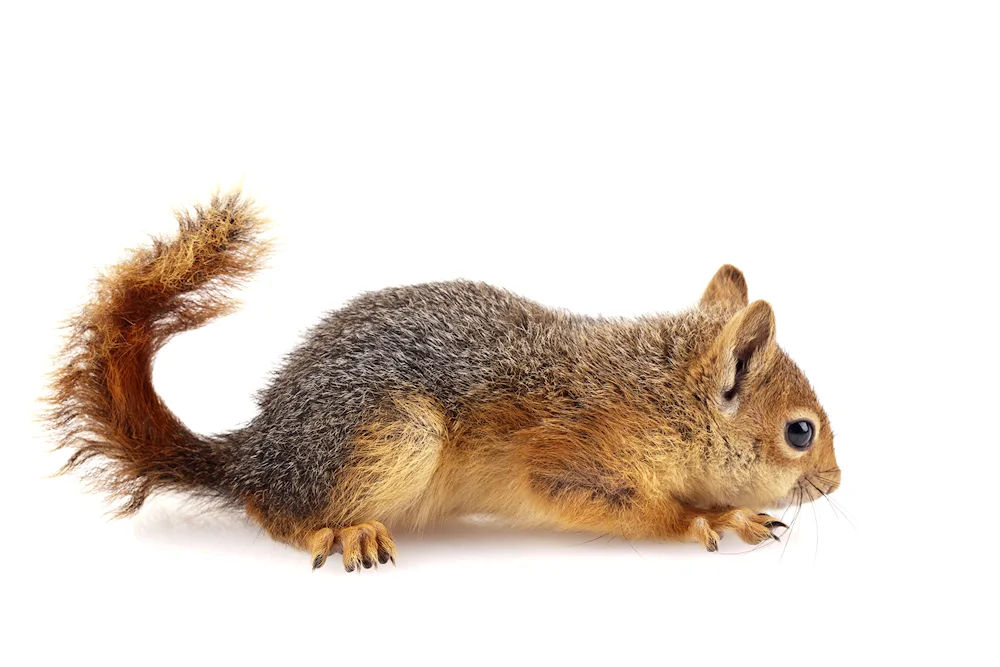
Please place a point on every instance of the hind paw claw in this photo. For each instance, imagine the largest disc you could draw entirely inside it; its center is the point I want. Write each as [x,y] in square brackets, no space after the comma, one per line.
[364,545]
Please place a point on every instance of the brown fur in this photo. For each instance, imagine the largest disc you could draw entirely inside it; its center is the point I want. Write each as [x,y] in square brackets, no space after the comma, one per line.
[103,403]
[661,428]
[612,469]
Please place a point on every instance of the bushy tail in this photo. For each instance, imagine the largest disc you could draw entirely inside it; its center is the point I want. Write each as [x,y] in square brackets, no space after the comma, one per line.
[102,404]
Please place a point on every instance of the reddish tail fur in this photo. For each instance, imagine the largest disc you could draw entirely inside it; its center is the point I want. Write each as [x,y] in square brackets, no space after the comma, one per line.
[102,401]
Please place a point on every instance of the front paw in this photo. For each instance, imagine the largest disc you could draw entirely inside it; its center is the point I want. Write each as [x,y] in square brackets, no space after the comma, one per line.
[752,527]
[701,531]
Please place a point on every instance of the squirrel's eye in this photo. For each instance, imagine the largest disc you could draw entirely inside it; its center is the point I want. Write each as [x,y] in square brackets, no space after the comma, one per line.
[799,434]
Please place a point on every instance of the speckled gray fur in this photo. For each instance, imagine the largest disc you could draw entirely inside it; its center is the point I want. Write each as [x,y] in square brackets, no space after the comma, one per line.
[459,342]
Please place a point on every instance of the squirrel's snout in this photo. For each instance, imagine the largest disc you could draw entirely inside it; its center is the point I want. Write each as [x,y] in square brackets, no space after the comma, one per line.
[830,479]
[813,485]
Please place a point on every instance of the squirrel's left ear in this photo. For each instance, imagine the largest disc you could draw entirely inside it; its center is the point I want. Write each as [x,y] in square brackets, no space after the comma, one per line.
[728,288]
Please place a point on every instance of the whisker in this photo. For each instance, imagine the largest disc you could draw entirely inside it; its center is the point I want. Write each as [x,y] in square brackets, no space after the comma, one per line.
[816,519]
[823,493]
[797,502]
[593,539]
[838,505]
[795,518]
[847,516]
[820,477]
[629,542]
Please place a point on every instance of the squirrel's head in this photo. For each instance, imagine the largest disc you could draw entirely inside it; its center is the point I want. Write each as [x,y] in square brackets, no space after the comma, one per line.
[770,442]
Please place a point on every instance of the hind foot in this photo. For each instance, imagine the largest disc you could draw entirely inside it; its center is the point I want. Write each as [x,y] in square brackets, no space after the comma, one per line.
[363,545]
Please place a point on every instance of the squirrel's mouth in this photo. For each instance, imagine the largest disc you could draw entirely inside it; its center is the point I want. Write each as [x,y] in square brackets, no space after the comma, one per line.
[823,482]
[811,486]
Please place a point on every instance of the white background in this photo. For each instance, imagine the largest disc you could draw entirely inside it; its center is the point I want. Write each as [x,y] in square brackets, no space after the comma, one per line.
[601,157]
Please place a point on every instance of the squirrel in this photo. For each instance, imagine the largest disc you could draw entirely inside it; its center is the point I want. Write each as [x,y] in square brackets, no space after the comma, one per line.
[415,404]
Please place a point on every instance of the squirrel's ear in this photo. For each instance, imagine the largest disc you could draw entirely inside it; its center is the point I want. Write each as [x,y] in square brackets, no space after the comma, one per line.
[727,288]
[744,348]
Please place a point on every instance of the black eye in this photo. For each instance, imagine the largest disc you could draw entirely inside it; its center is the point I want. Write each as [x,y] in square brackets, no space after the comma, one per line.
[799,434]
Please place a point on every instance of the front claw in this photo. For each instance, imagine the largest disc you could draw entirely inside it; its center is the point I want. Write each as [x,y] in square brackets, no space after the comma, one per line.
[770,521]
[752,527]
[701,531]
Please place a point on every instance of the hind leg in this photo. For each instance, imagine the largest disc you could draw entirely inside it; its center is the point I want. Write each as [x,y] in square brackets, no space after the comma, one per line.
[386,479]
[364,545]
